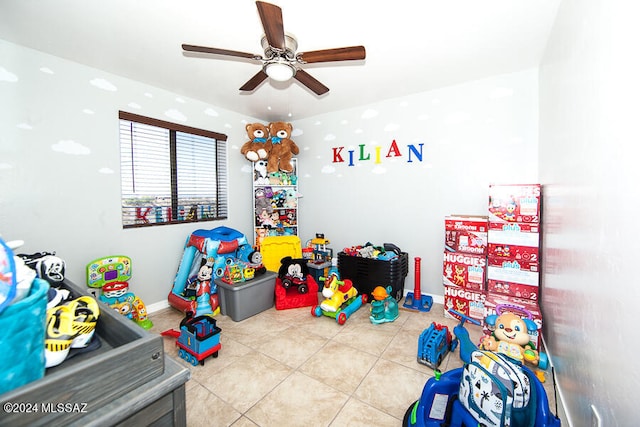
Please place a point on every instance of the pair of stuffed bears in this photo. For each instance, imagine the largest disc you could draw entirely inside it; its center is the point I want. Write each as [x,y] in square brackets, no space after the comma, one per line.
[272,143]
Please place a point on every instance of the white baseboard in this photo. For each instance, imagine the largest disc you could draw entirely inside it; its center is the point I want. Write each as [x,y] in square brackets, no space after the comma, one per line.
[157,306]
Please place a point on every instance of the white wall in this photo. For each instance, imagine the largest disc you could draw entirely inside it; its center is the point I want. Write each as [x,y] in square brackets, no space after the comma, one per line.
[589,90]
[474,134]
[60,166]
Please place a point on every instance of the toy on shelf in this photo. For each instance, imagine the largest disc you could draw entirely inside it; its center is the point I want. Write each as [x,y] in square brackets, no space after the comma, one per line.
[198,338]
[415,300]
[509,335]
[111,274]
[341,299]
[384,307]
[207,256]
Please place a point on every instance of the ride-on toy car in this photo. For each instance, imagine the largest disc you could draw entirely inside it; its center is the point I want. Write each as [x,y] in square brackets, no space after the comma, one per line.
[439,404]
[341,299]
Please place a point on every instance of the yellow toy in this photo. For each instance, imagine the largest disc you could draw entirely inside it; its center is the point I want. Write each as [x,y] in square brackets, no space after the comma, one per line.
[336,293]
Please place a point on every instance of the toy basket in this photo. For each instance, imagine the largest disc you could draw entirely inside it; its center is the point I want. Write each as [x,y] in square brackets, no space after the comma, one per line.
[22,335]
[366,273]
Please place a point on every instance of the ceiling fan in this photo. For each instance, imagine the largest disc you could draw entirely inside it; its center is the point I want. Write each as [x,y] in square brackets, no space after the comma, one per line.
[281,62]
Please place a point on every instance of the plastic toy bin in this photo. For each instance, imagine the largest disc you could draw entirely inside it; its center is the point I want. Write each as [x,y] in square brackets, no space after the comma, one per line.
[245,299]
[367,273]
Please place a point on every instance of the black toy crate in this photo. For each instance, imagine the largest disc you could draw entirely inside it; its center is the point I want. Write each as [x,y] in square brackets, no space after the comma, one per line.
[367,273]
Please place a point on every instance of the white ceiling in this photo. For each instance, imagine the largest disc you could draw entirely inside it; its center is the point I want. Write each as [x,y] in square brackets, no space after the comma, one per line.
[412,45]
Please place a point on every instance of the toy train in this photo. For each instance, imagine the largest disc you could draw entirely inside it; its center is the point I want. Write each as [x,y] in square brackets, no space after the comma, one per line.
[198,338]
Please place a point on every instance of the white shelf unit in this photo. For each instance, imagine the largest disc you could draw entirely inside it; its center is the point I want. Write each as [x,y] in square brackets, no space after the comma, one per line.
[275,202]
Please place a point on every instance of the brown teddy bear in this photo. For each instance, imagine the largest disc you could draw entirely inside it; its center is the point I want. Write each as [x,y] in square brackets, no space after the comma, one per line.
[282,147]
[259,145]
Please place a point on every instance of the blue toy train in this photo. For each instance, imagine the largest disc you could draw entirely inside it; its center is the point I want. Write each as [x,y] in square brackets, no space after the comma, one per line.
[198,338]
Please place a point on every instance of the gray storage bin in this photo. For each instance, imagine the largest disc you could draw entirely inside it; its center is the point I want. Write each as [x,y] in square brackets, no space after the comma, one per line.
[245,299]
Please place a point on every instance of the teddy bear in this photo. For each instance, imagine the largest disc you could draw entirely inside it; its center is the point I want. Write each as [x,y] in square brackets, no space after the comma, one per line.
[510,336]
[259,145]
[282,147]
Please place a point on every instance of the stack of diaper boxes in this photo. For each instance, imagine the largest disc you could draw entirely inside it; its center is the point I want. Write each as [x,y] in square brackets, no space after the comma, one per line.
[464,267]
[513,271]
[510,262]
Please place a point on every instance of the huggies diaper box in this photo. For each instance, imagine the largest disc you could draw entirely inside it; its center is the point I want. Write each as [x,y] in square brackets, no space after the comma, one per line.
[466,234]
[466,301]
[465,270]
[515,278]
[515,203]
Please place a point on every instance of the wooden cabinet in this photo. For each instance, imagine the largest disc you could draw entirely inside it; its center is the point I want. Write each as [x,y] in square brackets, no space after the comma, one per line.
[127,381]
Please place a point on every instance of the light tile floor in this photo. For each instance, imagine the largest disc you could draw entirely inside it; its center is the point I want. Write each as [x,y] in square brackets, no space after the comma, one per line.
[289,368]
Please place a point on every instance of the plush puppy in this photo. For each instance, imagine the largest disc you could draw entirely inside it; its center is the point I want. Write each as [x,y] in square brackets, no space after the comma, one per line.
[510,336]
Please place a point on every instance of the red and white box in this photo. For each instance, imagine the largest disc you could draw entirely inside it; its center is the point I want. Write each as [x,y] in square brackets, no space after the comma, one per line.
[513,278]
[521,307]
[516,290]
[465,270]
[467,234]
[519,234]
[515,268]
[515,203]
[466,301]
[513,252]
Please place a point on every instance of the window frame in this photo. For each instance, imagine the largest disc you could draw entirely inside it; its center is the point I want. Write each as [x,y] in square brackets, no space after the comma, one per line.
[221,170]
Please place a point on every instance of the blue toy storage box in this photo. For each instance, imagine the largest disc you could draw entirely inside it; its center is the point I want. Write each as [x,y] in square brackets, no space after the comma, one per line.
[22,335]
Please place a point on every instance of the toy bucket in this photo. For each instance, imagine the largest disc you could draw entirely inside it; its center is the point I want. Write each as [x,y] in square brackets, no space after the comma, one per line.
[22,335]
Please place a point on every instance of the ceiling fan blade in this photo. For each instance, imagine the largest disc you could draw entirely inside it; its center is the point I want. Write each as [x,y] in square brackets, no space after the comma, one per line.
[216,51]
[271,17]
[337,54]
[255,81]
[310,82]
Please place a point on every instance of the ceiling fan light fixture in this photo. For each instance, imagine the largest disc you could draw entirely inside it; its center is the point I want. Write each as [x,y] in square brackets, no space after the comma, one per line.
[279,70]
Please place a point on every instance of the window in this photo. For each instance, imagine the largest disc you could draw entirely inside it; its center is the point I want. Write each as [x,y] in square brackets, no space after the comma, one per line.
[170,173]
